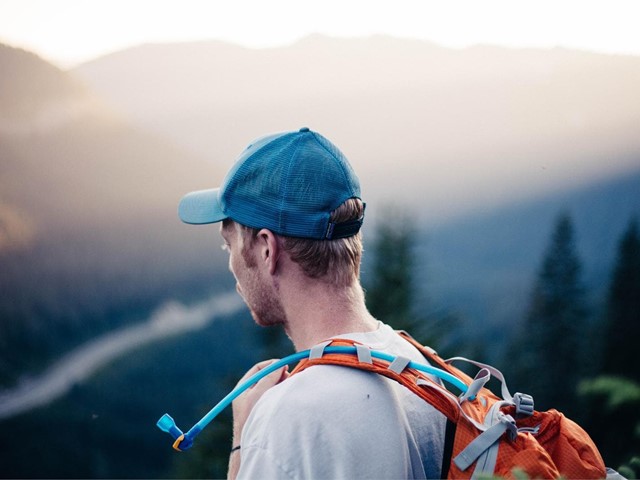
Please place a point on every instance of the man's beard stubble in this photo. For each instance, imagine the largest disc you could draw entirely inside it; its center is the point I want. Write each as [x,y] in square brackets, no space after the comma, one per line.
[266,308]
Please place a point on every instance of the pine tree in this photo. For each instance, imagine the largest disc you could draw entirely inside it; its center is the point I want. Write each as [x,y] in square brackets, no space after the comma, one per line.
[390,291]
[622,329]
[613,397]
[550,348]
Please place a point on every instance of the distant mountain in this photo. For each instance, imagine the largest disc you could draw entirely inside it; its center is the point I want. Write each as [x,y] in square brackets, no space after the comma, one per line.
[89,235]
[35,94]
[450,131]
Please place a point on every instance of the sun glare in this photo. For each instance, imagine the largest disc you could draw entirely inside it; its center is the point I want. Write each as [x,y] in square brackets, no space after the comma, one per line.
[72,31]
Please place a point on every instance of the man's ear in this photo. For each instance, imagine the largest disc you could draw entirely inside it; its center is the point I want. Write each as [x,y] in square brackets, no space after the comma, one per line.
[269,249]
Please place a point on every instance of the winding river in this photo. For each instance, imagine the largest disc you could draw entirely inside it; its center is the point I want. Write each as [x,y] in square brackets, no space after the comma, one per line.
[171,318]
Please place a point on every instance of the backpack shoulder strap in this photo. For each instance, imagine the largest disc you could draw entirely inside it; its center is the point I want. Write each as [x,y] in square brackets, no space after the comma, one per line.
[399,369]
[432,356]
[429,353]
[522,402]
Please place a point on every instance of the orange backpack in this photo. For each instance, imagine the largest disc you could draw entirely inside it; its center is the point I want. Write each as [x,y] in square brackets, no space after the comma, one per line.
[486,435]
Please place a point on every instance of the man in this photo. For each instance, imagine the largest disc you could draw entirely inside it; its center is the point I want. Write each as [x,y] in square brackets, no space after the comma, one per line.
[291,212]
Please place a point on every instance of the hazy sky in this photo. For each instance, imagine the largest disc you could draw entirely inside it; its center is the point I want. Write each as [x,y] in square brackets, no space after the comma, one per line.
[67,32]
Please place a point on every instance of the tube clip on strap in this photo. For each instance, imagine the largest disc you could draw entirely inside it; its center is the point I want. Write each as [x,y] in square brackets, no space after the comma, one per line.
[364,353]
[399,364]
[317,351]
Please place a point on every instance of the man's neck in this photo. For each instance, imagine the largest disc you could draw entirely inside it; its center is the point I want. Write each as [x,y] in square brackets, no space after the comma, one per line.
[318,313]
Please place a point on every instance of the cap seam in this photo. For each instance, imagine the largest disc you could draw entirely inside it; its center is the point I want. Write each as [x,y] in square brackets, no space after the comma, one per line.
[340,164]
[286,185]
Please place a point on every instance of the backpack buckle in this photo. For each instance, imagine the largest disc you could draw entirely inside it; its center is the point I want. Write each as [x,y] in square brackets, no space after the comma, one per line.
[510,427]
[524,404]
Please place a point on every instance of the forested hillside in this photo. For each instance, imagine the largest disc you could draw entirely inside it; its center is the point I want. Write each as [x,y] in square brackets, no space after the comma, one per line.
[89,236]
[483,267]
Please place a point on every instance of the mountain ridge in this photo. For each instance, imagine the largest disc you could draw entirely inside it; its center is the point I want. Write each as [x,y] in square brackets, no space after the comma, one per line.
[456,128]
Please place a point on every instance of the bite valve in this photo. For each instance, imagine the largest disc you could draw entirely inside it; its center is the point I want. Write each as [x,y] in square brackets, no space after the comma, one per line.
[182,441]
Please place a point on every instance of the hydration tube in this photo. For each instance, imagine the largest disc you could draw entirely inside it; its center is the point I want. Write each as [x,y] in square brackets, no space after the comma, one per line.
[184,441]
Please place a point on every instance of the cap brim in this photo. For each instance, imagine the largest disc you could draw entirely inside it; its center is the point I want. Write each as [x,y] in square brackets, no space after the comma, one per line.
[201,207]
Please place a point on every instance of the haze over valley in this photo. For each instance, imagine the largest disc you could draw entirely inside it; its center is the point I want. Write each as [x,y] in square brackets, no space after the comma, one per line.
[478,149]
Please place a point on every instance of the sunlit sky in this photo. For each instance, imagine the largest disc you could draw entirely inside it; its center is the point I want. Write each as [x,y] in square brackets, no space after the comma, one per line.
[67,32]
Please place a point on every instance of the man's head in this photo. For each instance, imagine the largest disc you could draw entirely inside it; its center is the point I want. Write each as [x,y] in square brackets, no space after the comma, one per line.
[299,187]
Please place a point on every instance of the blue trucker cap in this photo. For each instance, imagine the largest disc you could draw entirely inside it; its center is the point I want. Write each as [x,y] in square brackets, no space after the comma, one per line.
[288,183]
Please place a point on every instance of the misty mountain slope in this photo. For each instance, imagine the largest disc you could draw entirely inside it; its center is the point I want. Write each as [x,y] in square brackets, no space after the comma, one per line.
[89,234]
[483,266]
[31,89]
[478,127]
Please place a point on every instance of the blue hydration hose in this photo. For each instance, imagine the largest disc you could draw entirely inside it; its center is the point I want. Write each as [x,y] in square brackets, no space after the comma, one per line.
[184,441]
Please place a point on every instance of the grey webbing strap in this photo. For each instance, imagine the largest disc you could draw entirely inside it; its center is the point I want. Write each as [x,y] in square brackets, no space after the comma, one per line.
[318,350]
[506,395]
[443,391]
[364,354]
[484,441]
[481,378]
[486,464]
[399,364]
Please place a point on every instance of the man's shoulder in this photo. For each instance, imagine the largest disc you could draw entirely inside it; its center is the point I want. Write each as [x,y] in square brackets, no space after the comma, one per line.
[330,391]
[342,406]
[322,398]
[322,384]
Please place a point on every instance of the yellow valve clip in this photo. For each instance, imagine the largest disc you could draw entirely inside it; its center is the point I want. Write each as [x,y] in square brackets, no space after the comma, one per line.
[176,444]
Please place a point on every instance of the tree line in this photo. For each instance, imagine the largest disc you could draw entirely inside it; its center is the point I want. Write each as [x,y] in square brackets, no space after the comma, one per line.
[581,360]
[567,354]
